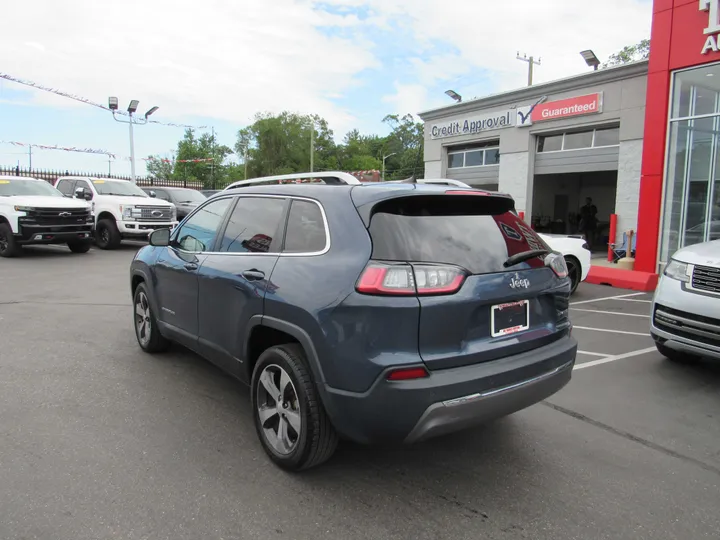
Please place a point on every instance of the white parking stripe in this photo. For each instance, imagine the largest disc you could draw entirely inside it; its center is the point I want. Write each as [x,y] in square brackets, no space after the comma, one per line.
[633,300]
[605,298]
[610,331]
[613,358]
[594,354]
[610,312]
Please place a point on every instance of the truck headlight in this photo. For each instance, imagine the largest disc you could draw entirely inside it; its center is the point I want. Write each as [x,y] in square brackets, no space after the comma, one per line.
[130,213]
[24,209]
[677,270]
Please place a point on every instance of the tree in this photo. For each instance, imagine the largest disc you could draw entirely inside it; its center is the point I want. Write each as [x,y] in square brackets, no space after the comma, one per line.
[406,142]
[629,53]
[210,173]
[159,168]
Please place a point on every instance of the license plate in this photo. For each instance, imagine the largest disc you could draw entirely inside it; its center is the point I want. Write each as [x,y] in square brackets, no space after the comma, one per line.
[511,318]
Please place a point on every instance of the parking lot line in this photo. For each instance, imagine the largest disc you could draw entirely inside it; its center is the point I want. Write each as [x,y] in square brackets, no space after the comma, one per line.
[610,312]
[611,331]
[614,358]
[594,354]
[606,298]
[633,300]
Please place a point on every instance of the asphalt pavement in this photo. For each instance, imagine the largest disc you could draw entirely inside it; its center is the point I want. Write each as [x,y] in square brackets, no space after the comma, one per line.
[101,441]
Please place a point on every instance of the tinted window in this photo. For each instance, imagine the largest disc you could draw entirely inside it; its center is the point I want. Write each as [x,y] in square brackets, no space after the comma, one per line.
[198,232]
[551,143]
[582,139]
[253,225]
[305,229]
[66,187]
[455,160]
[475,233]
[159,194]
[607,137]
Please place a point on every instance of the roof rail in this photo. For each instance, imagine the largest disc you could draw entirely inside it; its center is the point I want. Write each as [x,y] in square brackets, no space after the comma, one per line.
[439,181]
[334,178]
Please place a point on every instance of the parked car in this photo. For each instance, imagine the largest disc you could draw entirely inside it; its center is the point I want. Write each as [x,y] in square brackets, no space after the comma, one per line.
[574,248]
[210,192]
[184,199]
[686,305]
[33,212]
[122,210]
[359,311]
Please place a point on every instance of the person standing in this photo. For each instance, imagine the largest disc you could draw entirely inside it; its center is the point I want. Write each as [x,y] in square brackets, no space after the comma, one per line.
[588,221]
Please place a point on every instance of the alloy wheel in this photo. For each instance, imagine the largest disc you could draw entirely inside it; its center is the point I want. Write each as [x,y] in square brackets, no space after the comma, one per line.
[278,408]
[105,235]
[143,326]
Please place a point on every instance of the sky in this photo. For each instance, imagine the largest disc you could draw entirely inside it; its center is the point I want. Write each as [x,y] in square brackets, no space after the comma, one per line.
[217,63]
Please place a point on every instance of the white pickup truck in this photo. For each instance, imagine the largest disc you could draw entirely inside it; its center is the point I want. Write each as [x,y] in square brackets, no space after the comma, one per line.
[34,212]
[122,210]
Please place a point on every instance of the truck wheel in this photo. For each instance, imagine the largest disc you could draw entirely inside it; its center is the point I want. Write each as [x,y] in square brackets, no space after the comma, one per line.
[146,328]
[107,235]
[290,421]
[8,245]
[79,246]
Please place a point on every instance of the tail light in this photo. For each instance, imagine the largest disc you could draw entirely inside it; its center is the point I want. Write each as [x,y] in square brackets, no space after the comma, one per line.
[409,280]
[407,374]
[557,263]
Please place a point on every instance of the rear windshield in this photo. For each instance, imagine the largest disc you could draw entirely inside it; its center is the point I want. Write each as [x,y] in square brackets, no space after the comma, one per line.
[474,232]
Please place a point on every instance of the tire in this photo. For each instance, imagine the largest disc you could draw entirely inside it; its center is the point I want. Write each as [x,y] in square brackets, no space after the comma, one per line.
[677,356]
[107,235]
[310,438]
[146,328]
[8,244]
[574,273]
[79,246]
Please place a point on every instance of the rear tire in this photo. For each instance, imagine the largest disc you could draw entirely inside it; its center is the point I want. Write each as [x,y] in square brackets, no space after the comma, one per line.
[574,272]
[107,235]
[146,328]
[79,246]
[677,356]
[290,420]
[8,244]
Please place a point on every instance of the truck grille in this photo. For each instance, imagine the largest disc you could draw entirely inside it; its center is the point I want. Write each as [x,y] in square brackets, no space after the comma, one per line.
[706,278]
[682,324]
[58,216]
[155,213]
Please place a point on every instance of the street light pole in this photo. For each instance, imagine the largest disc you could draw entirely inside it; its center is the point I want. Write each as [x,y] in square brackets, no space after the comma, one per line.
[383,166]
[132,109]
[312,145]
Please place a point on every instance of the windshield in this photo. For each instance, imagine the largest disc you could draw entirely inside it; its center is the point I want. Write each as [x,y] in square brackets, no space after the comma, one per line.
[27,187]
[118,187]
[188,196]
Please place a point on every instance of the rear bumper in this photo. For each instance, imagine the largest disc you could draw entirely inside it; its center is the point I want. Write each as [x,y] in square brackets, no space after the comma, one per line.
[451,399]
[43,234]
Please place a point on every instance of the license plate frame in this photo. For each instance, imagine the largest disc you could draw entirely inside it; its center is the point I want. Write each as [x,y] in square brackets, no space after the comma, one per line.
[495,314]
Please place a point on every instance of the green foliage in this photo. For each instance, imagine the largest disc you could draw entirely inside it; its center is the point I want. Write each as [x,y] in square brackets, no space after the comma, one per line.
[158,169]
[629,53]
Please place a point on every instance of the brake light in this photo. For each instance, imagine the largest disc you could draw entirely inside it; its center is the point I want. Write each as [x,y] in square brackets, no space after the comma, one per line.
[466,192]
[408,280]
[407,374]
[557,264]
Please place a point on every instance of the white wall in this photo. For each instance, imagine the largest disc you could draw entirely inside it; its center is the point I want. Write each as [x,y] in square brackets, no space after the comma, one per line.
[627,200]
[514,172]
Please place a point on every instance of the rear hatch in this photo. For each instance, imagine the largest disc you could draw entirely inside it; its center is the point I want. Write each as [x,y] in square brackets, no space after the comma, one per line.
[450,249]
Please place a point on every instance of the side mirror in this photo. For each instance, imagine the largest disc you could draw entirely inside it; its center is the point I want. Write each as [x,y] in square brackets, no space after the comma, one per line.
[82,193]
[160,238]
[152,194]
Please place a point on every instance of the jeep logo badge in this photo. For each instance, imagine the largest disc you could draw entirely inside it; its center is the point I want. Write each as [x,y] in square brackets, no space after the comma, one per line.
[517,283]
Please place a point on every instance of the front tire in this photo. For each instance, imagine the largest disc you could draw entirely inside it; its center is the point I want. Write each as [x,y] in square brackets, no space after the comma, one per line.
[145,323]
[677,356]
[8,244]
[574,273]
[290,420]
[82,246]
[107,235]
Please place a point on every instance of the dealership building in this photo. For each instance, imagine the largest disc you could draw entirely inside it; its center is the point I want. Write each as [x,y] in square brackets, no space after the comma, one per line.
[642,140]
[551,146]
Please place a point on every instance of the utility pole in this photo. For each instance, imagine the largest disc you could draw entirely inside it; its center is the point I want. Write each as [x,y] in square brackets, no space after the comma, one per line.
[531,62]
[312,145]
[109,166]
[212,155]
[30,156]
[383,165]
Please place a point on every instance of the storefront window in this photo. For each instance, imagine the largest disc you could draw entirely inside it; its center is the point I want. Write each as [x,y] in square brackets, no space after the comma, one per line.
[692,186]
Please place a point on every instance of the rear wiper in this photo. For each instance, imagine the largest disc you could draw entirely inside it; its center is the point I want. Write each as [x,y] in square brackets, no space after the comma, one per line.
[524,256]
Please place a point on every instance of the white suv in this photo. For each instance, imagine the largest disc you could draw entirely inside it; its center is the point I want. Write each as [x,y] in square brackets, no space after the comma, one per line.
[122,210]
[34,212]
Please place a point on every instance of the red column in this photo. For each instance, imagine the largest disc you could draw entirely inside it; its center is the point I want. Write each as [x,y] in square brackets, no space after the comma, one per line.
[612,236]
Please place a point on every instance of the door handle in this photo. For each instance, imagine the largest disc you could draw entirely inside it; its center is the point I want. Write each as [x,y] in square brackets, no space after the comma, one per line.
[253,275]
[191,266]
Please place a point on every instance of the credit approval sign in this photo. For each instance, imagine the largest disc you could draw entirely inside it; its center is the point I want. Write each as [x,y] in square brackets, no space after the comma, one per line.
[569,107]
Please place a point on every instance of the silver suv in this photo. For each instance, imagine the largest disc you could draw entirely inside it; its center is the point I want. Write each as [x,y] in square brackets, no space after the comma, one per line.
[686,307]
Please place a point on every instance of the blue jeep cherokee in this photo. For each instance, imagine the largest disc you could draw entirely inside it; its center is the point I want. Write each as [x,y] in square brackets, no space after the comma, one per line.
[373,312]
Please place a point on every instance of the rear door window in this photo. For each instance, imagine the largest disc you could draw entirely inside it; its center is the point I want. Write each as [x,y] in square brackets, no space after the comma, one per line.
[254,226]
[477,233]
[305,228]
